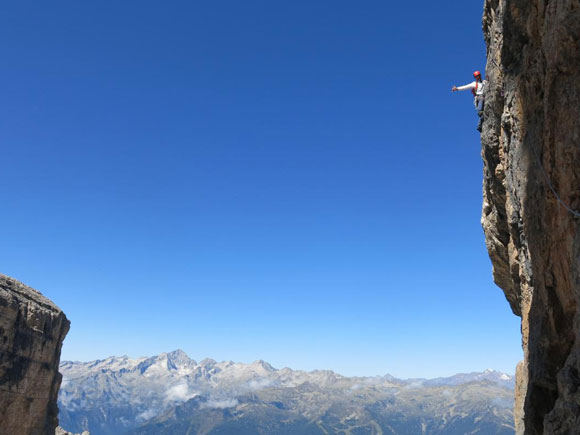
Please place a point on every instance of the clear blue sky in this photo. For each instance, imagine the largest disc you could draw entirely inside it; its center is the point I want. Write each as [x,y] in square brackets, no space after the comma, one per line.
[290,181]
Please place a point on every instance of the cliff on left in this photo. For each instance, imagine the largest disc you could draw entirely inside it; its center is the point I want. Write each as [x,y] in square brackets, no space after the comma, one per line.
[32,330]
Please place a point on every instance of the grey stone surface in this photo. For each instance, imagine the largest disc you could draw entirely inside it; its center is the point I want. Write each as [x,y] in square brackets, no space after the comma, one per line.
[531,134]
[32,329]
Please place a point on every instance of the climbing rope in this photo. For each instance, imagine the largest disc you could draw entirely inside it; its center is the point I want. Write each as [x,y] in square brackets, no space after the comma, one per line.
[566,206]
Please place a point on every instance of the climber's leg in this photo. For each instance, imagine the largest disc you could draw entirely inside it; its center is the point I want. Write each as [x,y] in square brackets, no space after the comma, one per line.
[479,108]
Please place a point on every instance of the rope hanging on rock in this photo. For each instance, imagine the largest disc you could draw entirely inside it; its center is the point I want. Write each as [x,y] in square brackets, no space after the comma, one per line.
[566,206]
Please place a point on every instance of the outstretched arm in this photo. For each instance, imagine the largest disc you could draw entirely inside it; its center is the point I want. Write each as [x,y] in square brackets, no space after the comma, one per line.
[463,88]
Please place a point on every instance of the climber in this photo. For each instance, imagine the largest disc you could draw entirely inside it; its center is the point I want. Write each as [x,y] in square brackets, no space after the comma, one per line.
[478,99]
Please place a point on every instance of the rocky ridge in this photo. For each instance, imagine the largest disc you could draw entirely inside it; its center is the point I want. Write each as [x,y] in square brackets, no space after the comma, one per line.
[171,393]
[32,330]
[531,154]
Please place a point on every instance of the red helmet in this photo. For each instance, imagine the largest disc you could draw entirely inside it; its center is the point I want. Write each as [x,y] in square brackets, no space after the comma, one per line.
[476,74]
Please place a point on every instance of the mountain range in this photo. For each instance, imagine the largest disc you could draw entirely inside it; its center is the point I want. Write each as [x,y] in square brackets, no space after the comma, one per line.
[173,394]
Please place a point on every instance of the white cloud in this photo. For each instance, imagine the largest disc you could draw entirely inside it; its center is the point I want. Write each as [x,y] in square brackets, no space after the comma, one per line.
[146,415]
[179,393]
[259,384]
[414,384]
[220,404]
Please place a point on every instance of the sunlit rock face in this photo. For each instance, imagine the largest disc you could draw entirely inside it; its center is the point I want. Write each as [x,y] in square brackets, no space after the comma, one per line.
[32,329]
[531,154]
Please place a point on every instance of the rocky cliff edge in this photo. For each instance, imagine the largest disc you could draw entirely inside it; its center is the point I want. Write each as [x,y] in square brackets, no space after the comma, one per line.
[531,154]
[32,330]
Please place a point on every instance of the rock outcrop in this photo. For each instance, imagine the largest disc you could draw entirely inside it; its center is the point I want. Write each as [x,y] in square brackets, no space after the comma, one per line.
[32,329]
[531,154]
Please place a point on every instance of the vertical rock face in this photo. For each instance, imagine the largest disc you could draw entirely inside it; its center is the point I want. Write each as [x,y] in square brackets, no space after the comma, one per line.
[32,329]
[531,153]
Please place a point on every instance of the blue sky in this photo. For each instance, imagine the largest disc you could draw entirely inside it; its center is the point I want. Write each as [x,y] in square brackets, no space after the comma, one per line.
[287,181]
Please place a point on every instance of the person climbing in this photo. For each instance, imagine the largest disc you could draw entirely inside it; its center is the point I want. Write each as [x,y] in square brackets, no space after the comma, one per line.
[477,88]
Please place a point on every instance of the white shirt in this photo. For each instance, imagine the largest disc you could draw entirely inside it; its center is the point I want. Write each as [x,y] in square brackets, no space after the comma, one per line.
[474,85]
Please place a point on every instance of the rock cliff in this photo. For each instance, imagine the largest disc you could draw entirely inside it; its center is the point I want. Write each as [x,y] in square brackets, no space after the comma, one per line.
[32,329]
[531,154]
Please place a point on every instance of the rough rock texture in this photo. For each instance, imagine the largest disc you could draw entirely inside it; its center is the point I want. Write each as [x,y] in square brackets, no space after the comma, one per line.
[532,120]
[32,329]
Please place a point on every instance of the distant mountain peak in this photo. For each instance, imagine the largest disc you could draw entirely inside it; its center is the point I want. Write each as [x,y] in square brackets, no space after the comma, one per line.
[118,394]
[178,353]
[488,375]
[179,358]
[263,364]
